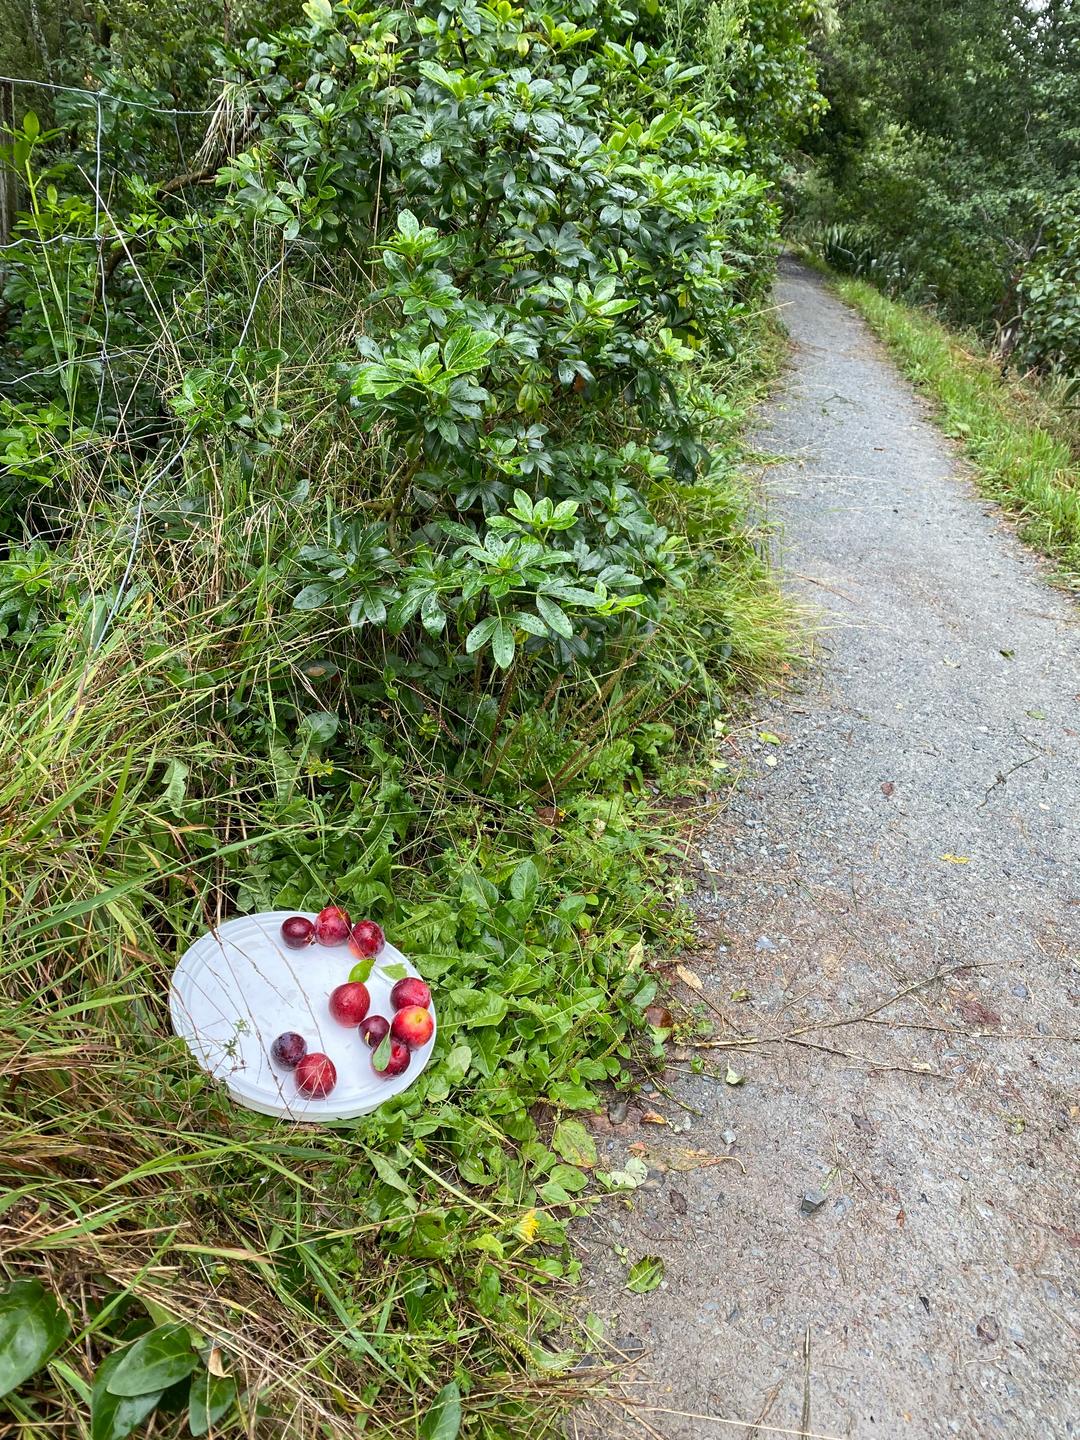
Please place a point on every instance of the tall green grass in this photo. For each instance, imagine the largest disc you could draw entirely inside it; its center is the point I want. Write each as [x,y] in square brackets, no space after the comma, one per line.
[344,1275]
[1021,445]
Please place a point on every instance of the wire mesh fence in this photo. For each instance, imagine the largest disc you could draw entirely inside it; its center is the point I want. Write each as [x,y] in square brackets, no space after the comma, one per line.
[131,301]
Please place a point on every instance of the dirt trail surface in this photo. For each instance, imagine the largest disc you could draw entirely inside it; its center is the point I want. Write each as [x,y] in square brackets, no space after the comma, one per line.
[898,882]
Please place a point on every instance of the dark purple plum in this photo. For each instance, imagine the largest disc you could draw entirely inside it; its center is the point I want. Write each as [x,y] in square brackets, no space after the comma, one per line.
[374,1030]
[288,1050]
[297,931]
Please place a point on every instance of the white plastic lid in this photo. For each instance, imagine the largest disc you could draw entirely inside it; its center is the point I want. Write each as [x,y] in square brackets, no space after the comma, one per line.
[239,987]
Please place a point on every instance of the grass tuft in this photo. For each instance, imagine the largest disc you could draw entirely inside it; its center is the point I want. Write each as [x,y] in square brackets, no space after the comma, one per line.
[1023,443]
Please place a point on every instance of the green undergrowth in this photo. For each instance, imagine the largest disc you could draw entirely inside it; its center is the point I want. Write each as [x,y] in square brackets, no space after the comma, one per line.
[374,1275]
[372,530]
[1021,444]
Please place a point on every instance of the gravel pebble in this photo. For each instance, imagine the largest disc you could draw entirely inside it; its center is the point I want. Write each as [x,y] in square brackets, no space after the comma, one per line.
[914,585]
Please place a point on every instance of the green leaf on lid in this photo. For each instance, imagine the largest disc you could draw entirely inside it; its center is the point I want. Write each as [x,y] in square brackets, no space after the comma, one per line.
[381,1058]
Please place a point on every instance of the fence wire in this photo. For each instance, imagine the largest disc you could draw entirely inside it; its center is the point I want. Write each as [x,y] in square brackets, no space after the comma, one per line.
[96,97]
[131,444]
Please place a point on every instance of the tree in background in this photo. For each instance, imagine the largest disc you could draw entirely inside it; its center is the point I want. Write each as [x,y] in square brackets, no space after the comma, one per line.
[950,155]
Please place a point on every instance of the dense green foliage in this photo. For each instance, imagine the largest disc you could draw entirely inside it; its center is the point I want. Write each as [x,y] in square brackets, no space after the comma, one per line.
[371,531]
[948,165]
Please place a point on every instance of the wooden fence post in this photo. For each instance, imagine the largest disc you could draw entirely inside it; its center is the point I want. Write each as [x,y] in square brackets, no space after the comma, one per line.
[8,178]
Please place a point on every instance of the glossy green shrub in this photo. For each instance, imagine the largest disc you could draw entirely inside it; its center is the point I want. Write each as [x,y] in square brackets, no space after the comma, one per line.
[371,532]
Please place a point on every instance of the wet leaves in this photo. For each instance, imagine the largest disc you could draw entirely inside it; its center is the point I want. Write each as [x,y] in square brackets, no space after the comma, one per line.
[972,1009]
[633,1173]
[32,1325]
[574,1144]
[645,1274]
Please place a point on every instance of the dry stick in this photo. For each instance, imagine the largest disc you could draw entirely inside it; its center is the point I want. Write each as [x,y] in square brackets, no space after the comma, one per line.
[800,1434]
[868,1060]
[683,1104]
[509,686]
[855,936]
[806,1385]
[649,1429]
[831,588]
[977,1032]
[712,1006]
[900,995]
[764,1412]
[794,1036]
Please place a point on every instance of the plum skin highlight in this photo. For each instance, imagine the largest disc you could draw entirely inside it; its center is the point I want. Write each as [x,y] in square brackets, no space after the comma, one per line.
[374,1030]
[332,926]
[288,1050]
[297,932]
[410,991]
[316,1075]
[413,1026]
[367,939]
[350,1003]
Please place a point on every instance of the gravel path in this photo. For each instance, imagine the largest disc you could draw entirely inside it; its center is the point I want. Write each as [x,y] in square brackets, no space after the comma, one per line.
[916,834]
